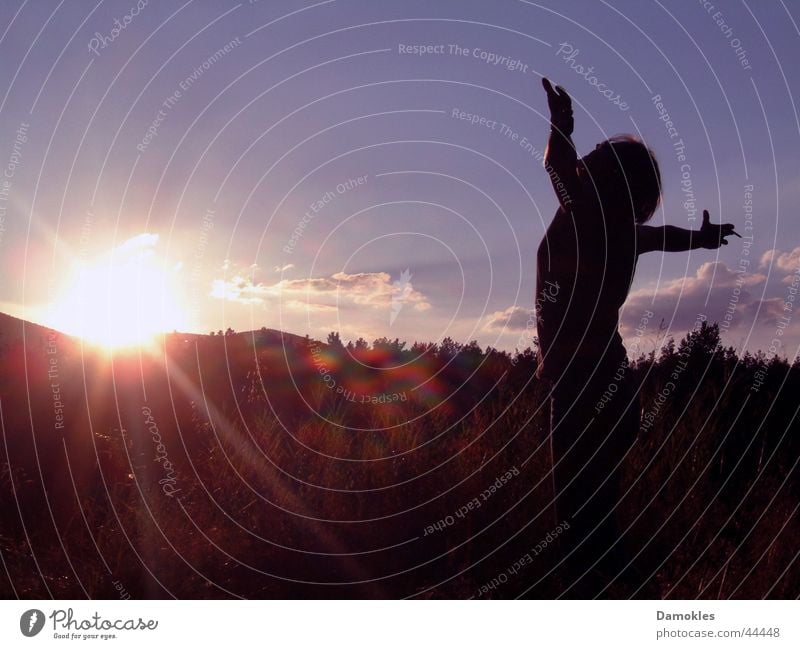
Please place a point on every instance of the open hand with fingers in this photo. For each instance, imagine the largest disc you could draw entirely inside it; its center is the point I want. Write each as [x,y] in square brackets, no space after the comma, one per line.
[560,105]
[712,235]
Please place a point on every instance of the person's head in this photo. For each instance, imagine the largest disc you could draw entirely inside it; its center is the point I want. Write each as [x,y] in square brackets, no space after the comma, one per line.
[625,175]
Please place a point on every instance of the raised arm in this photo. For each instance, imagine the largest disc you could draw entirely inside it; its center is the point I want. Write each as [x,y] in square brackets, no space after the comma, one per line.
[670,238]
[560,157]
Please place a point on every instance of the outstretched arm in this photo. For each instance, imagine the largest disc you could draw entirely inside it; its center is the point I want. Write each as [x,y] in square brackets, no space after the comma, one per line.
[560,158]
[670,238]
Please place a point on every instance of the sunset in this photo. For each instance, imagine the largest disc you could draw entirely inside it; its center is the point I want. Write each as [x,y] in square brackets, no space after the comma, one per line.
[347,300]
[124,298]
[423,155]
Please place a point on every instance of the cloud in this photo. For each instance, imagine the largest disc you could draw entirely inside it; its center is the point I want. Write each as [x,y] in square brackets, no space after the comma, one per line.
[788,261]
[141,245]
[299,305]
[372,290]
[238,289]
[785,261]
[375,290]
[764,312]
[734,299]
[514,319]
[713,290]
[281,269]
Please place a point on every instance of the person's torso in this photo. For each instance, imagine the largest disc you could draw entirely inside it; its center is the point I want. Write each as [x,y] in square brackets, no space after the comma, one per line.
[584,272]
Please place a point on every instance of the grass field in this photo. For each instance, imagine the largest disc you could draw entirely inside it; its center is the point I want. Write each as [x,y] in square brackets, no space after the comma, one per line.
[265,465]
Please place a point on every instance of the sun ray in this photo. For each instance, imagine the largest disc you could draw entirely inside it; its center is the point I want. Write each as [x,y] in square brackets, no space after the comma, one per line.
[122,299]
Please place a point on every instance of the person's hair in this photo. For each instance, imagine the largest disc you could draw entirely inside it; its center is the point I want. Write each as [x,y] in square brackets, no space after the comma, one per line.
[640,175]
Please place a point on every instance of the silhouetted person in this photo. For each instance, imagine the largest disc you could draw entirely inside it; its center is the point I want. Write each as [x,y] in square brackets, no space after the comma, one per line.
[585,266]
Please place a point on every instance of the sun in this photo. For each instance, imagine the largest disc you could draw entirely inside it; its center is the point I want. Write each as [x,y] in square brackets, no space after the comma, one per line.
[123,299]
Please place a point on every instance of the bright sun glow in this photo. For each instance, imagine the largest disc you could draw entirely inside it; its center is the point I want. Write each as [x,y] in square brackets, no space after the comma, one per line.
[122,299]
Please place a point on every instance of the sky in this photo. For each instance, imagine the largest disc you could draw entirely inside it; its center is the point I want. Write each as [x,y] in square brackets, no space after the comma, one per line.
[375,167]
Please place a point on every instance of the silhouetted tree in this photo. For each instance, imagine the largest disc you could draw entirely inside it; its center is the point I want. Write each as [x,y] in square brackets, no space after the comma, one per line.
[424,349]
[448,349]
[384,344]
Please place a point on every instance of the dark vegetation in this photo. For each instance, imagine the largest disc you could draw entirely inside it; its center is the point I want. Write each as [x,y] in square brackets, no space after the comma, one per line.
[305,469]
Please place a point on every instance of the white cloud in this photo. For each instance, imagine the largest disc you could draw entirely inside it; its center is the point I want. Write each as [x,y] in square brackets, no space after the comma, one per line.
[764,312]
[299,305]
[135,247]
[788,261]
[373,290]
[785,261]
[514,319]
[714,289]
[238,289]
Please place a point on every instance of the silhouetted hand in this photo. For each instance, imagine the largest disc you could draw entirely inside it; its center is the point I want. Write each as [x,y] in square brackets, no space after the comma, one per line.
[560,105]
[713,235]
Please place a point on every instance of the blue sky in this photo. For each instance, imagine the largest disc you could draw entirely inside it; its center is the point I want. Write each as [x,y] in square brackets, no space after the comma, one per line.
[213,128]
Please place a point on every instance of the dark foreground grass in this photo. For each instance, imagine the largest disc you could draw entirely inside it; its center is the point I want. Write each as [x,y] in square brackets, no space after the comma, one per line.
[256,465]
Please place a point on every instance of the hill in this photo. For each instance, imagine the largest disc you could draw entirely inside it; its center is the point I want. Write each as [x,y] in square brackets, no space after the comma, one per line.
[264,464]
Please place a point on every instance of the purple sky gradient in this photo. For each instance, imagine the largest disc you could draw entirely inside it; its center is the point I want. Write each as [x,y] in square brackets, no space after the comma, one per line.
[307,98]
